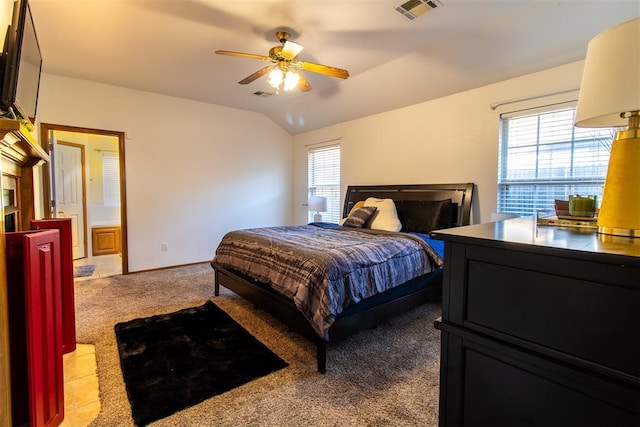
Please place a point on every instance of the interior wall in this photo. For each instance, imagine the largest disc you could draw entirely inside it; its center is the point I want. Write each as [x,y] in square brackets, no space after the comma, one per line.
[100,214]
[451,139]
[6,14]
[194,171]
[199,170]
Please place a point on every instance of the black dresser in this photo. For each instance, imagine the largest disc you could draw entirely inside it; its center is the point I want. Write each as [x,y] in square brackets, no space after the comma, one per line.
[540,326]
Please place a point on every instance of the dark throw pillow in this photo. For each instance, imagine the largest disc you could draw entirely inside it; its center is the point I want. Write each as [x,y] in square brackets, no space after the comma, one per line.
[423,216]
[359,217]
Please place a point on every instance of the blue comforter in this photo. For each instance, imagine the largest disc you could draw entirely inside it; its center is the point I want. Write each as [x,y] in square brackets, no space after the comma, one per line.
[325,268]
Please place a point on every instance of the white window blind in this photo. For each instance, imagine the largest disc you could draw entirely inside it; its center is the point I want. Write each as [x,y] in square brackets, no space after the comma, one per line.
[111,179]
[543,157]
[324,179]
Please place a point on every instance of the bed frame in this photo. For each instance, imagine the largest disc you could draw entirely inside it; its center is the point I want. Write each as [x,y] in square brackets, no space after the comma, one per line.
[372,311]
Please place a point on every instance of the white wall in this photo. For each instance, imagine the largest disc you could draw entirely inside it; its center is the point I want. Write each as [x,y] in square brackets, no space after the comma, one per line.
[193,171]
[451,139]
[6,14]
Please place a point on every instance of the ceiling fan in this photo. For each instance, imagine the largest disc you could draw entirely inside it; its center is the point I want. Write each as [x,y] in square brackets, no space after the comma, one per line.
[285,68]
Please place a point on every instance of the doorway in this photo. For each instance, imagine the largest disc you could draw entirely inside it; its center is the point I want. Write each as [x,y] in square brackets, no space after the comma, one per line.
[87,183]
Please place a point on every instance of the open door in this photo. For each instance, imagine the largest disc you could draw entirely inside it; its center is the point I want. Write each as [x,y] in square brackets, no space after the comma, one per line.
[70,193]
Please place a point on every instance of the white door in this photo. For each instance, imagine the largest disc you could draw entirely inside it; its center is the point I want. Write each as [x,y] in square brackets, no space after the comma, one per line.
[69,192]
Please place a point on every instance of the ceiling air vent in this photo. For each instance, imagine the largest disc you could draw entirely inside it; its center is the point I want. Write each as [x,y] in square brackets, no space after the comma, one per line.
[414,8]
[262,94]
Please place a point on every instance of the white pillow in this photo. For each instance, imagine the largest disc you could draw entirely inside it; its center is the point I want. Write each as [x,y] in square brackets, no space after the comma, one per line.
[386,217]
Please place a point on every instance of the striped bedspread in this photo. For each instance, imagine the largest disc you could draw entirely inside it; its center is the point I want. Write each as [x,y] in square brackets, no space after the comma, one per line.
[324,270]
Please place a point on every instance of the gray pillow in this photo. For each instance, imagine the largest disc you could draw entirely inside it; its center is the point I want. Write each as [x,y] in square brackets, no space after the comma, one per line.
[359,217]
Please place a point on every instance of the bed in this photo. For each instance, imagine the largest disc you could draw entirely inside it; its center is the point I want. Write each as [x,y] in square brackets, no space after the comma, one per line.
[323,314]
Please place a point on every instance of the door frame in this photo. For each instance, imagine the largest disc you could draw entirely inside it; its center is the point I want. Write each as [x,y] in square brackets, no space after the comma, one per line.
[45,129]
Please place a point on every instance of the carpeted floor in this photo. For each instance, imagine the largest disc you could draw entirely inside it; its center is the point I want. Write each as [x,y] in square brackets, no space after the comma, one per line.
[173,361]
[384,376]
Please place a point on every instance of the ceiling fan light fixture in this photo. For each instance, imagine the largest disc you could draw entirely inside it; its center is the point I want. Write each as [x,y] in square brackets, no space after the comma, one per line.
[411,9]
[285,69]
[276,77]
[291,79]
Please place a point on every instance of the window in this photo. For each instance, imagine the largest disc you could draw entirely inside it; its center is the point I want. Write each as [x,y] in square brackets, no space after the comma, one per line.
[324,179]
[111,179]
[543,157]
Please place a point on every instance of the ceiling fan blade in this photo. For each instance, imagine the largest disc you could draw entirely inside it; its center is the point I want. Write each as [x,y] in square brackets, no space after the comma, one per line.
[303,84]
[243,55]
[261,72]
[323,69]
[290,50]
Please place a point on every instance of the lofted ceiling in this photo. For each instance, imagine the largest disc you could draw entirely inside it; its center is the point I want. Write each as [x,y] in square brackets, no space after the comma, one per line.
[167,47]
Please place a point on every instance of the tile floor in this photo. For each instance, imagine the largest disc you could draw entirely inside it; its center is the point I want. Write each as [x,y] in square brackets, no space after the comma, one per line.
[81,392]
[106,265]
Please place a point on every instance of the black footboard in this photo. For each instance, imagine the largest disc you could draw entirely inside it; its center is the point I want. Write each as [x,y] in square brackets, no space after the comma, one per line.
[364,315]
[273,303]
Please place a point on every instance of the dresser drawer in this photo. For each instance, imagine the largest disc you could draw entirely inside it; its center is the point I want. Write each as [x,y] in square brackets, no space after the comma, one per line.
[584,318]
[490,383]
[540,326]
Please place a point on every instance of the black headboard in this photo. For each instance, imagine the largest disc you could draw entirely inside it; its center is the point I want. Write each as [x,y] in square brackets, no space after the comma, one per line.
[461,196]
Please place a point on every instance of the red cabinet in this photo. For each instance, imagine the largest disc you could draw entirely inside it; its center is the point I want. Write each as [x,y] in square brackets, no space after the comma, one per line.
[35,327]
[63,225]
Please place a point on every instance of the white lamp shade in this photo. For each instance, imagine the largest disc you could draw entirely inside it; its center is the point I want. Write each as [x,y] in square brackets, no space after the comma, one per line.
[317,204]
[611,78]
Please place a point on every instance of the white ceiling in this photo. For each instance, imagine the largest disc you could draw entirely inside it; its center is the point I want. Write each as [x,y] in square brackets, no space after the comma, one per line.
[167,47]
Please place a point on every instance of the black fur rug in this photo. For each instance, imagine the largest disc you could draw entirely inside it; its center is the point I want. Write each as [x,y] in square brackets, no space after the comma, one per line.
[173,361]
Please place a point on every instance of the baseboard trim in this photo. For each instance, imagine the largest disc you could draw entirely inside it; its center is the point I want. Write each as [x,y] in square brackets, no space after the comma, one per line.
[168,267]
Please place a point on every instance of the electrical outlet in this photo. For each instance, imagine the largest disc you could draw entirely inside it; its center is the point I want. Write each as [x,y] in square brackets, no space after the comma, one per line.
[164,247]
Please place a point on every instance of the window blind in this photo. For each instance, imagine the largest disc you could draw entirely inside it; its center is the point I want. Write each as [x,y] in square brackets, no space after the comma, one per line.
[324,179]
[111,179]
[543,157]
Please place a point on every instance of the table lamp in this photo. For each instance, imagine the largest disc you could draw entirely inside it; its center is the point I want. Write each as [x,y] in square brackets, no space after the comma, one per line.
[610,96]
[317,204]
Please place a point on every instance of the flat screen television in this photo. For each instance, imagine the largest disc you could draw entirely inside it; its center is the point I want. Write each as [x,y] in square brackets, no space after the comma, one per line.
[21,65]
